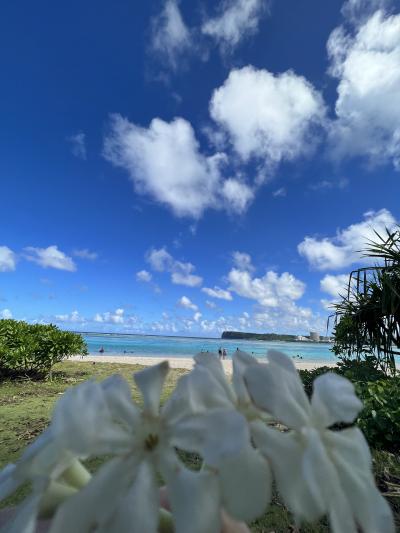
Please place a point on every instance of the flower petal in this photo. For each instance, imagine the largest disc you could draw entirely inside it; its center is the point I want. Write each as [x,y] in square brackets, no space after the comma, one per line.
[150,382]
[215,435]
[240,362]
[8,482]
[137,510]
[97,501]
[352,459]
[119,400]
[285,452]
[323,482]
[25,518]
[211,362]
[245,481]
[194,498]
[334,400]
[196,392]
[278,391]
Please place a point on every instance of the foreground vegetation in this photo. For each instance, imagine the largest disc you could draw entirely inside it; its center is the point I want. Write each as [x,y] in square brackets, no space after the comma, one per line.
[26,406]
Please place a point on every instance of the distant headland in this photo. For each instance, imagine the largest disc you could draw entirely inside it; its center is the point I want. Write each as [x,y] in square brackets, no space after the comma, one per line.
[313,337]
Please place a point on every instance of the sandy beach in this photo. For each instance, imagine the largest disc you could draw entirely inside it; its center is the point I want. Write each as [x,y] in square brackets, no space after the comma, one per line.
[182,362]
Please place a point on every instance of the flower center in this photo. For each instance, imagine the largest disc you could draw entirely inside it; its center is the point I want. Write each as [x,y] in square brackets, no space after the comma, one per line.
[151,442]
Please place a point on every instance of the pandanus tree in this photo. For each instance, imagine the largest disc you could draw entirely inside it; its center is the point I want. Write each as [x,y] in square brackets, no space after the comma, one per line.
[367,319]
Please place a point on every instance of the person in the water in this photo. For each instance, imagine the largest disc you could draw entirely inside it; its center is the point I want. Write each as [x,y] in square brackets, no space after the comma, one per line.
[101,350]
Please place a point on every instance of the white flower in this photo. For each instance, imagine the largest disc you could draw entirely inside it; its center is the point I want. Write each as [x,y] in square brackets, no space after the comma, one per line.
[51,463]
[123,495]
[246,479]
[318,470]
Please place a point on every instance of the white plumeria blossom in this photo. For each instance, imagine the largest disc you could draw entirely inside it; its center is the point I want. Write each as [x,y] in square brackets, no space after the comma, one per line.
[318,471]
[123,495]
[245,479]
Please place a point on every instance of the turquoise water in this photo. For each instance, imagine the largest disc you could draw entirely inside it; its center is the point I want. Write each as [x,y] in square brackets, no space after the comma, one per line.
[147,345]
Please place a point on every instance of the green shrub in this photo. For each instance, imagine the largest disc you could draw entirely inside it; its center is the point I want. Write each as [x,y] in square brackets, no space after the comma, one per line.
[32,349]
[380,418]
[308,376]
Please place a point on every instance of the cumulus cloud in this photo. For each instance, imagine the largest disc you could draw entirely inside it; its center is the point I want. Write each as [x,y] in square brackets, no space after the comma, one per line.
[242,261]
[85,254]
[342,250]
[366,61]
[143,276]
[279,193]
[357,11]
[8,259]
[197,316]
[73,317]
[50,257]
[6,314]
[115,317]
[217,292]
[272,290]
[236,20]
[181,273]
[170,35]
[164,161]
[268,116]
[335,286]
[186,303]
[211,305]
[78,145]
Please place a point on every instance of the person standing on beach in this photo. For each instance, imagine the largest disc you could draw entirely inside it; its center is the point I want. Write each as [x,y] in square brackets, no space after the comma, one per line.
[220,353]
[224,354]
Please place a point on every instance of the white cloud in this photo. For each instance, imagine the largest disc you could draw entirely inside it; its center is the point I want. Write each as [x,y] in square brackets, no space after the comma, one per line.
[86,254]
[116,317]
[336,286]
[237,19]
[217,292]
[164,161]
[367,65]
[279,193]
[342,250]
[50,257]
[356,11]
[186,303]
[327,185]
[73,317]
[170,35]
[143,276]
[242,261]
[211,305]
[78,145]
[181,273]
[6,314]
[8,259]
[237,194]
[197,316]
[272,290]
[269,116]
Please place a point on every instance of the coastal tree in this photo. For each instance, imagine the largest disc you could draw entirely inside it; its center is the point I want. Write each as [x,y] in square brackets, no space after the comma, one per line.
[367,319]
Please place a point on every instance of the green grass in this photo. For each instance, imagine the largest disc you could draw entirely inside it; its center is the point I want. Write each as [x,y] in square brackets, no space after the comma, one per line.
[26,407]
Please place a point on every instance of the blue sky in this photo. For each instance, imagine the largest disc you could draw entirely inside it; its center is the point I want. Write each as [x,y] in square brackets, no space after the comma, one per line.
[188,167]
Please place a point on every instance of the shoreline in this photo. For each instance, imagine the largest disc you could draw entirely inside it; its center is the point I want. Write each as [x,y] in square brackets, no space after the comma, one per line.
[185,363]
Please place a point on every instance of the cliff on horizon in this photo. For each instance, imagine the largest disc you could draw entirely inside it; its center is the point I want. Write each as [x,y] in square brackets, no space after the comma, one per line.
[257,336]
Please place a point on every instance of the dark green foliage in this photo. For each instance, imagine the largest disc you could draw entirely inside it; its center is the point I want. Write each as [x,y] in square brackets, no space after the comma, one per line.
[32,349]
[380,394]
[380,418]
[308,376]
[257,336]
[368,316]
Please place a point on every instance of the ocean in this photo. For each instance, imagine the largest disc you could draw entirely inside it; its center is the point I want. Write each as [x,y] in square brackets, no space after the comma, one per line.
[158,346]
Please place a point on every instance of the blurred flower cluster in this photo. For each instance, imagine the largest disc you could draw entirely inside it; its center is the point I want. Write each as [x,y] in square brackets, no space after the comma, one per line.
[258,427]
